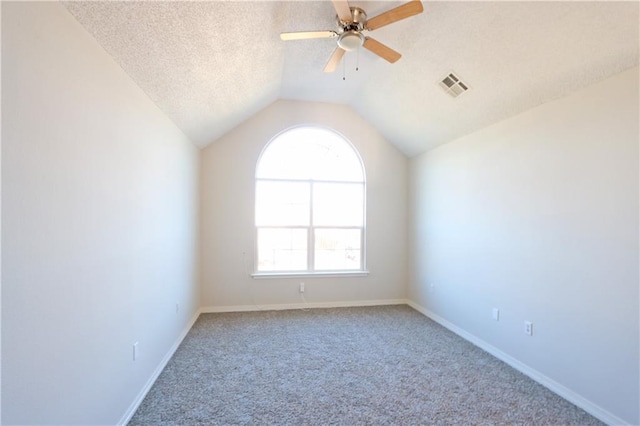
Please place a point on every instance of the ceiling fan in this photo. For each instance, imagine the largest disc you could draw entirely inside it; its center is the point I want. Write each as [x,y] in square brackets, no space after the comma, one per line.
[352,22]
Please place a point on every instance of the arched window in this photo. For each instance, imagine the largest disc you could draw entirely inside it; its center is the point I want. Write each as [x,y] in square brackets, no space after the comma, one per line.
[310,204]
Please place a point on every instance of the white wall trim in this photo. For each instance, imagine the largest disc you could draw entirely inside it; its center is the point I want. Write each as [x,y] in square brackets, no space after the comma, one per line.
[540,378]
[279,275]
[545,381]
[281,307]
[163,363]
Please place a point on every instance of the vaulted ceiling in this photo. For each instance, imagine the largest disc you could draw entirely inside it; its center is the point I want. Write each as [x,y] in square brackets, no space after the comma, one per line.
[211,65]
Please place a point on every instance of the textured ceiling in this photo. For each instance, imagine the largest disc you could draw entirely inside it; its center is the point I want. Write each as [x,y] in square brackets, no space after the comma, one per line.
[211,65]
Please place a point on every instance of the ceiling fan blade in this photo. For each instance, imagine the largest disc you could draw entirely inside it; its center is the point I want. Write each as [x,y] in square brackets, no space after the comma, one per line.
[381,50]
[343,10]
[334,60]
[406,10]
[301,35]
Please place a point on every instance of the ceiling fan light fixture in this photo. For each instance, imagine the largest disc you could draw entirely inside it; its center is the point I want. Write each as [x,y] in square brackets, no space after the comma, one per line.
[350,40]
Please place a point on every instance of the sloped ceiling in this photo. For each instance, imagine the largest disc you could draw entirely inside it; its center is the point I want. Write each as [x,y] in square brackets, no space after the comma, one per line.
[211,65]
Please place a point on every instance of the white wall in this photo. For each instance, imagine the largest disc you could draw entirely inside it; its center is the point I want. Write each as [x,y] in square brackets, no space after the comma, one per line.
[538,216]
[227,221]
[99,219]
[0,231]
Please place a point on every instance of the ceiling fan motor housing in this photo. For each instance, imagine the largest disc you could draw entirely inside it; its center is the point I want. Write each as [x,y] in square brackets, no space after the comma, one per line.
[357,21]
[351,37]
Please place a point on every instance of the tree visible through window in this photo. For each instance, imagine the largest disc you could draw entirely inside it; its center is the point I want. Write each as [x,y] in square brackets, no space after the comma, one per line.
[310,204]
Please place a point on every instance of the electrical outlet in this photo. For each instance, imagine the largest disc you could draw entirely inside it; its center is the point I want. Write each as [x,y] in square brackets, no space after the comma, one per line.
[528,328]
[496,314]
[301,288]
[135,351]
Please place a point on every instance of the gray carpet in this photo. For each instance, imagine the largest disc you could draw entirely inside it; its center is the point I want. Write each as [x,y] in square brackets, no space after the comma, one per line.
[386,365]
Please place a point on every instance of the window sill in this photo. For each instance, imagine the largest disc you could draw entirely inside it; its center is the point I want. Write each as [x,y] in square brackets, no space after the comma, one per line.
[339,274]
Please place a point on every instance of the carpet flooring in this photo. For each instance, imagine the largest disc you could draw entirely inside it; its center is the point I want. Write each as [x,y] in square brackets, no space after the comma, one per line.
[386,365]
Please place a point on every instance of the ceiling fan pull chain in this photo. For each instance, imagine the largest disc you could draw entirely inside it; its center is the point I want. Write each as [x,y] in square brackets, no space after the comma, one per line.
[344,66]
[357,58]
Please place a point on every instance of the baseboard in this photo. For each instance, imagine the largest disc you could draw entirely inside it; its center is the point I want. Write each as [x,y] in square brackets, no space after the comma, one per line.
[571,396]
[566,393]
[287,306]
[163,363]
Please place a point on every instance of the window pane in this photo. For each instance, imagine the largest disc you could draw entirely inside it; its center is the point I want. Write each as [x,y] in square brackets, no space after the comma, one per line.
[282,249]
[337,249]
[338,204]
[282,203]
[310,153]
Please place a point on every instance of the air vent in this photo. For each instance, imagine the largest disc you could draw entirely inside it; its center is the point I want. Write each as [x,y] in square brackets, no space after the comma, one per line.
[453,85]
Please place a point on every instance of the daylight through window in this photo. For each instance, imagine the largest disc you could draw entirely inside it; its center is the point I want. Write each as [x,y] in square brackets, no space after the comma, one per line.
[310,204]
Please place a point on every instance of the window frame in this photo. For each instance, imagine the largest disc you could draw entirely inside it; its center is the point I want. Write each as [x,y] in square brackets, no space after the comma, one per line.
[311,227]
